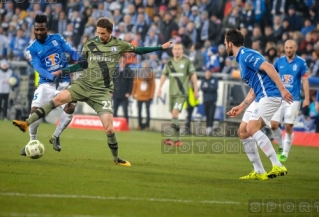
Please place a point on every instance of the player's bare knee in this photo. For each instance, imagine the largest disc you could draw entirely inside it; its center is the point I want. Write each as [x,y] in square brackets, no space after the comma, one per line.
[243,134]
[252,129]
[289,128]
[274,125]
[109,130]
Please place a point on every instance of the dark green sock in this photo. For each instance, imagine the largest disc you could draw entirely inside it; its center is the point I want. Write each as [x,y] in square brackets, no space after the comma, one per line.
[112,142]
[176,127]
[41,112]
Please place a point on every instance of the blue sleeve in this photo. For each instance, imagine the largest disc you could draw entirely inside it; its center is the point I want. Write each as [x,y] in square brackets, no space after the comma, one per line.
[36,64]
[253,60]
[66,47]
[317,97]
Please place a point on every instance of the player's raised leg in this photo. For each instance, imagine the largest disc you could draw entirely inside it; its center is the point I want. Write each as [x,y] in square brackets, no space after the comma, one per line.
[62,98]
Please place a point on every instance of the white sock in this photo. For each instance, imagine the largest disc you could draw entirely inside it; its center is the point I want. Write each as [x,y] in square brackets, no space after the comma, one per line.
[33,129]
[65,120]
[208,130]
[251,150]
[287,143]
[278,136]
[266,146]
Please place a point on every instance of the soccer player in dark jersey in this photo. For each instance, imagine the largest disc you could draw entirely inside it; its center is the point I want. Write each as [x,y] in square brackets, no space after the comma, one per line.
[95,85]
[180,71]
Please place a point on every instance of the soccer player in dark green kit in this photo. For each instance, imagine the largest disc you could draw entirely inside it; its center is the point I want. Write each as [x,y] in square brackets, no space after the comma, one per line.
[95,85]
[180,70]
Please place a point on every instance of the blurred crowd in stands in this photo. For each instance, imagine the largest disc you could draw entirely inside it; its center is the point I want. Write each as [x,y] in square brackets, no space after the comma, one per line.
[198,24]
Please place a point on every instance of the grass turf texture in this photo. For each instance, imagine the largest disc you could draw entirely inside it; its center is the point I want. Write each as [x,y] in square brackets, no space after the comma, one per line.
[82,180]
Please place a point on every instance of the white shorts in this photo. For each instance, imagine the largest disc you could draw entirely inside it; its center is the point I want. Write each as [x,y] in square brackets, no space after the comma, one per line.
[248,112]
[265,109]
[45,92]
[287,113]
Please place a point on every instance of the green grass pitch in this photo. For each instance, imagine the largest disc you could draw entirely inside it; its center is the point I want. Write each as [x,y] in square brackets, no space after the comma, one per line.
[82,181]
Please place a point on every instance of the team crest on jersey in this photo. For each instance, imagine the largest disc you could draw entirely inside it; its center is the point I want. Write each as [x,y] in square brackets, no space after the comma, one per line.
[294,67]
[287,80]
[181,66]
[256,111]
[113,49]
[55,43]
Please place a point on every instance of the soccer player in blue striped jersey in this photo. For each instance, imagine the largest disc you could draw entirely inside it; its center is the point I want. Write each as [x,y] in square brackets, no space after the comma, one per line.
[46,54]
[263,99]
[293,71]
[317,101]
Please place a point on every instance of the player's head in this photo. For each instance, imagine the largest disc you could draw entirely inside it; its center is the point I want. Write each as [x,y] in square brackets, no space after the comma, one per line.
[233,38]
[178,50]
[290,48]
[40,27]
[104,29]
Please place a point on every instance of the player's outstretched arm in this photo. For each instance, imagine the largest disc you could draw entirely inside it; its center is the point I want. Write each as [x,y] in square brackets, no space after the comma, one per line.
[305,85]
[235,111]
[83,64]
[144,50]
[273,74]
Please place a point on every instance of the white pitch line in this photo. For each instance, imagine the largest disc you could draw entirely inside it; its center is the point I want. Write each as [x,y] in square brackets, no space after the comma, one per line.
[118,198]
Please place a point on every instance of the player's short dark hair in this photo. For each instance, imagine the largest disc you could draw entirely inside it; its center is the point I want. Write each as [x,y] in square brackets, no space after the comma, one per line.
[106,23]
[41,18]
[235,36]
[179,43]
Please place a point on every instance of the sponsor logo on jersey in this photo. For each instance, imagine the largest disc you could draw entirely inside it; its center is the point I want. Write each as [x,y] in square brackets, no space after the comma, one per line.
[177,74]
[53,61]
[102,58]
[287,80]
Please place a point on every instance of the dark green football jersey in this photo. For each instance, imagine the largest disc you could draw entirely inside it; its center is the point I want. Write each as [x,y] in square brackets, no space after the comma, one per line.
[179,74]
[102,61]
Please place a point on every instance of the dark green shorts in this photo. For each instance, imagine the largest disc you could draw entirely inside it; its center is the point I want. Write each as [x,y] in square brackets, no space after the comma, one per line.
[99,100]
[176,102]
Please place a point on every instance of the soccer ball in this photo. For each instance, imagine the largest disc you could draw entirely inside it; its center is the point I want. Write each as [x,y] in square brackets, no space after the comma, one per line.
[13,81]
[34,149]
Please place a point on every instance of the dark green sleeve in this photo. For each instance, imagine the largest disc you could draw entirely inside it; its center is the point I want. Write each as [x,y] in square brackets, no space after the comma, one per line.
[74,68]
[144,50]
